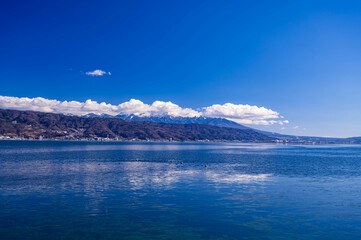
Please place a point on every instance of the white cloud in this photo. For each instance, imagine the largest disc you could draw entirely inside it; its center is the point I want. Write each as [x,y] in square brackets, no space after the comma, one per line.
[97,72]
[158,108]
[244,114]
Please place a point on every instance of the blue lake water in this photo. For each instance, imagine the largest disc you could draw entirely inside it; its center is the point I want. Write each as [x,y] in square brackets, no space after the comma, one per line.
[85,190]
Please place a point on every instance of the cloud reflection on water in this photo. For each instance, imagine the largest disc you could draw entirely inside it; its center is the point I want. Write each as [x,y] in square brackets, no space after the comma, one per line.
[98,177]
[54,146]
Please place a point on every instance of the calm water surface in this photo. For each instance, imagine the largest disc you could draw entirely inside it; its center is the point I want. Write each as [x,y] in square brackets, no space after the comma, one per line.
[79,190]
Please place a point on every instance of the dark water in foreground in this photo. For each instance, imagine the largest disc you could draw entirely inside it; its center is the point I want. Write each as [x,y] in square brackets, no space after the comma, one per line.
[77,190]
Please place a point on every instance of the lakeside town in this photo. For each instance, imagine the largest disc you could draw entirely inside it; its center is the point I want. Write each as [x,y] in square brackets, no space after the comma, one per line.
[118,139]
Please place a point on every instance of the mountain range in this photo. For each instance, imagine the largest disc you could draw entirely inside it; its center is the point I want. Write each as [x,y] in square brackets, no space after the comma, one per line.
[219,122]
[38,125]
[35,125]
[222,122]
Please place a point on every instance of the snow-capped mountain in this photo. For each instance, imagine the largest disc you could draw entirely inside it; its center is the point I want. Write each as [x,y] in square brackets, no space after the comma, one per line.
[219,122]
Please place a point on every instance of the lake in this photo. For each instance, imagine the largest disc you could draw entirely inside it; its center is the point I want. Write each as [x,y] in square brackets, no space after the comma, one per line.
[98,190]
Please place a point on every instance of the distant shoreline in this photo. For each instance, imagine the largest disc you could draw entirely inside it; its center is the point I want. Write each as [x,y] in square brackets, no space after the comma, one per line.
[155,141]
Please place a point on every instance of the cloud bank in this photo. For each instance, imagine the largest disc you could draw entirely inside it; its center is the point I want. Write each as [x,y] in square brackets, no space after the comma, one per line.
[97,72]
[244,114]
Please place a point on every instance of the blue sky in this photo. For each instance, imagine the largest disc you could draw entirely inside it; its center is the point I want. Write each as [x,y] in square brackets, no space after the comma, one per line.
[299,58]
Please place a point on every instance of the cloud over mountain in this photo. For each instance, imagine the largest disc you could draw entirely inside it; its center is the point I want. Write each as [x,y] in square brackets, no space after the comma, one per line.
[244,114]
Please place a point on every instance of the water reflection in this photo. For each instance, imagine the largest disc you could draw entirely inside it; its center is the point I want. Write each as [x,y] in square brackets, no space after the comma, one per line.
[54,146]
[238,178]
[247,191]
